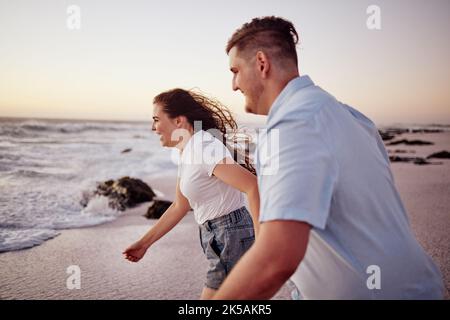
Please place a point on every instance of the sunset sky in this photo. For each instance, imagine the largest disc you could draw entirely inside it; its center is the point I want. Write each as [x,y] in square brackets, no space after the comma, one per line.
[126,52]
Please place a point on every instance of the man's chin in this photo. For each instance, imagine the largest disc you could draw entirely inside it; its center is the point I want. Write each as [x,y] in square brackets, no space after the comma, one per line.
[250,109]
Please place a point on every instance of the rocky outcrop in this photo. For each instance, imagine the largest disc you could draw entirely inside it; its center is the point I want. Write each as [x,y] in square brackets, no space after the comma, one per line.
[440,155]
[410,142]
[156,210]
[415,160]
[386,136]
[401,151]
[123,193]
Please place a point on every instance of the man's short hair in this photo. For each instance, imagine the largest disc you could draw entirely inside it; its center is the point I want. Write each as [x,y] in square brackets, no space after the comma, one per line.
[276,35]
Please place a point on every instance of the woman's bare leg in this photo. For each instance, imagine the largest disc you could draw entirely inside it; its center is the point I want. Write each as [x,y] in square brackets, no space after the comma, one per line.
[207,293]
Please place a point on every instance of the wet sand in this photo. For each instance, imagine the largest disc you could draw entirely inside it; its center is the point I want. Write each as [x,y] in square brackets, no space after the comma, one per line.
[173,268]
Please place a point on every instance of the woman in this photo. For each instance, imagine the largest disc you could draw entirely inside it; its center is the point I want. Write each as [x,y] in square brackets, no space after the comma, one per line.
[209,181]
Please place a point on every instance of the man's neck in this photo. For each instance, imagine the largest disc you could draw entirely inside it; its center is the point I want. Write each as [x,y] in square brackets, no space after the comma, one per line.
[277,87]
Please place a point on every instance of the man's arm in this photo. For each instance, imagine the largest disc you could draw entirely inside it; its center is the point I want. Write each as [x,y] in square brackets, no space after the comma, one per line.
[268,264]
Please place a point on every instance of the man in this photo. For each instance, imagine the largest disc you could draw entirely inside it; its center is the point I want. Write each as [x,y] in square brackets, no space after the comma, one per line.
[331,217]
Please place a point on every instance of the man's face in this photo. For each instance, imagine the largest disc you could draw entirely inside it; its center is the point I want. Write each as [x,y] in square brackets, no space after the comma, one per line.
[246,80]
[163,126]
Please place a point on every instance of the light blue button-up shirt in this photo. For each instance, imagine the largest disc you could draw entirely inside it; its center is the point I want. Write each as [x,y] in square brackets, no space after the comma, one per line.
[324,163]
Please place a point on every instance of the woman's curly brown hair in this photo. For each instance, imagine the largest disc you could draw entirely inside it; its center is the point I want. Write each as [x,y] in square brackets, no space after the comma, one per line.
[212,115]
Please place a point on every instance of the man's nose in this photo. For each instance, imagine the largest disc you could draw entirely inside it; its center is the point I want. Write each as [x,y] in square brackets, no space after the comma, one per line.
[153,127]
[234,84]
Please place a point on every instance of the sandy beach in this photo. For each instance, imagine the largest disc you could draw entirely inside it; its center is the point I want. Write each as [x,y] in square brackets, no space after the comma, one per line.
[174,268]
[425,191]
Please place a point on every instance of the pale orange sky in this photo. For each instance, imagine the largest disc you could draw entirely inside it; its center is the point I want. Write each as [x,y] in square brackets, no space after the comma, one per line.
[128,51]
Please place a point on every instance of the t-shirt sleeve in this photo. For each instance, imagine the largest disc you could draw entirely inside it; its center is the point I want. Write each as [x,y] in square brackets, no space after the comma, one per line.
[213,152]
[297,177]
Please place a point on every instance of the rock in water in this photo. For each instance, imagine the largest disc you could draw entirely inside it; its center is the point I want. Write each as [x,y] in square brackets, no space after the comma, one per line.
[385,136]
[410,142]
[156,210]
[126,150]
[124,193]
[426,130]
[400,159]
[415,160]
[440,155]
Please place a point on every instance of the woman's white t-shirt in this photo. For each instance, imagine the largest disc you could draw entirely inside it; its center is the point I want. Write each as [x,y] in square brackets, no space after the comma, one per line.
[208,196]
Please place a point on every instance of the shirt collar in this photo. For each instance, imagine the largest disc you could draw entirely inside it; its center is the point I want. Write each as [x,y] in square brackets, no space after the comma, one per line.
[293,86]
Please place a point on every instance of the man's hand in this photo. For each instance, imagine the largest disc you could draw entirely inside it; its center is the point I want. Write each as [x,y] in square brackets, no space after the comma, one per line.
[268,264]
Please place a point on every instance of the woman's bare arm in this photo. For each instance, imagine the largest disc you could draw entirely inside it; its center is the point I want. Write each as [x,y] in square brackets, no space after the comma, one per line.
[240,178]
[166,222]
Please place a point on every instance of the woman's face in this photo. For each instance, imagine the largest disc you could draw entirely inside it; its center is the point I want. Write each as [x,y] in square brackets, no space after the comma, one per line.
[163,126]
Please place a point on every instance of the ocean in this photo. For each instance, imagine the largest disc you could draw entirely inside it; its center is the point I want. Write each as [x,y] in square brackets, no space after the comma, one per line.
[47,165]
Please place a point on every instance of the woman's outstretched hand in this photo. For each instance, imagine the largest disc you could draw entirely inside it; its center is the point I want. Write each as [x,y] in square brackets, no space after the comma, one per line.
[135,252]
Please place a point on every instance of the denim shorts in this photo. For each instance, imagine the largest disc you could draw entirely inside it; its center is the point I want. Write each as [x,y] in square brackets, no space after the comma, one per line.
[224,240]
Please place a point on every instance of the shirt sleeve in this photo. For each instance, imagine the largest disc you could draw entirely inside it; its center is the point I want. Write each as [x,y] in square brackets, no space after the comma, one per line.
[298,174]
[213,152]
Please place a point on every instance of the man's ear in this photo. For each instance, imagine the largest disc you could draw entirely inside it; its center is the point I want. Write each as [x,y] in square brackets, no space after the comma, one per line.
[263,64]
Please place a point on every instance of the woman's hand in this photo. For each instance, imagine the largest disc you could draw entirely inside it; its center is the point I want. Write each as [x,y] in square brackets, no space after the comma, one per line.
[168,220]
[135,252]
